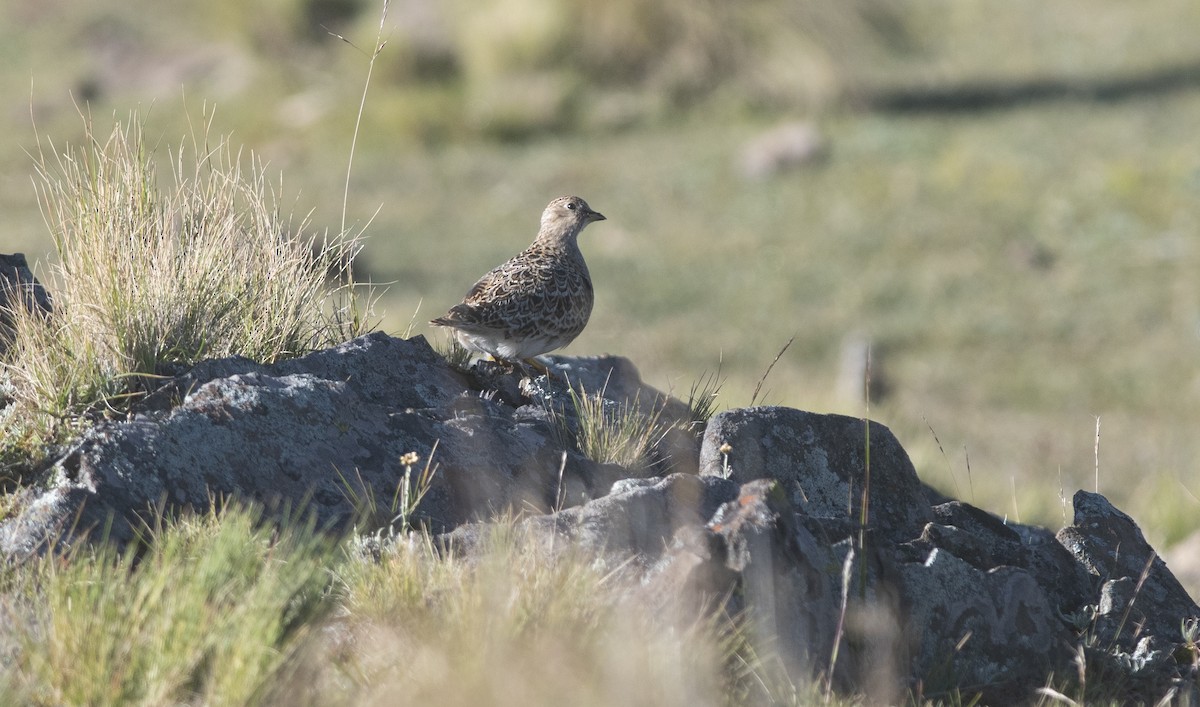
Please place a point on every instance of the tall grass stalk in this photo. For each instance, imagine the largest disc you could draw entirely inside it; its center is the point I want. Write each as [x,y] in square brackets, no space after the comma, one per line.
[380,43]
[156,272]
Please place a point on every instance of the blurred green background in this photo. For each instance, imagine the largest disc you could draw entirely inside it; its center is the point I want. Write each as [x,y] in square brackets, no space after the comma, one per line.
[1003,199]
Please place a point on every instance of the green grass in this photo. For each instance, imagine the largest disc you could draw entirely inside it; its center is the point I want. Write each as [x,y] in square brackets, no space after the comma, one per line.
[703,399]
[457,356]
[212,614]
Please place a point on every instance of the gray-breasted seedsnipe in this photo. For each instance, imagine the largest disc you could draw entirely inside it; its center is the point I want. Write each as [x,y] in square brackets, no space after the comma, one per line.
[536,302]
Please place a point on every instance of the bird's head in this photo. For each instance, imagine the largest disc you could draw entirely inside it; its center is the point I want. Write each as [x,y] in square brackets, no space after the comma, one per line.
[566,216]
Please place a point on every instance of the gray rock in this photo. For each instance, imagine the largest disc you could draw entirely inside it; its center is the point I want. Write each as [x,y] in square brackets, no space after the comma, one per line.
[1153,673]
[906,617]
[614,377]
[945,600]
[937,625]
[761,565]
[39,523]
[1138,596]
[321,435]
[990,632]
[986,542]
[820,461]
[640,516]
[18,289]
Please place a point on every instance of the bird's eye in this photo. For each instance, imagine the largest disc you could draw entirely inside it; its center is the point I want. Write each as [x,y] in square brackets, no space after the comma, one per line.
[571,205]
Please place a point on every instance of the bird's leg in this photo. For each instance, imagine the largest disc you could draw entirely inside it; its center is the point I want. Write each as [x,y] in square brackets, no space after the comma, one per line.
[539,367]
[513,364]
[505,364]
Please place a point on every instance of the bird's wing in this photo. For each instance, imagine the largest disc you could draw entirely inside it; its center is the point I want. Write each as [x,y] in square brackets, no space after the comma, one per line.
[486,302]
[533,281]
[508,281]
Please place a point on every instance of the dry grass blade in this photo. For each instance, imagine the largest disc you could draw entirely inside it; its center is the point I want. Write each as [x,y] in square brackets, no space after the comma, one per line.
[762,379]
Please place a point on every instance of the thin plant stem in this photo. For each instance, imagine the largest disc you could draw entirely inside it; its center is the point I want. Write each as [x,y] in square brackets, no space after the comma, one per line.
[380,43]
[759,385]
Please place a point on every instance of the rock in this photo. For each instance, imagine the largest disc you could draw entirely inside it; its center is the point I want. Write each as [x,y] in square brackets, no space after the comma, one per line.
[636,520]
[18,288]
[324,435]
[970,606]
[820,461]
[1132,623]
[1067,584]
[974,535]
[933,624]
[763,566]
[991,631]
[933,597]
[39,523]
[1138,594]
[1140,677]
[614,378]
[985,542]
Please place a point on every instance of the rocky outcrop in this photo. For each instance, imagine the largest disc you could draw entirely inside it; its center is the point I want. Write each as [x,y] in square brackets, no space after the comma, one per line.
[814,528]
[324,435]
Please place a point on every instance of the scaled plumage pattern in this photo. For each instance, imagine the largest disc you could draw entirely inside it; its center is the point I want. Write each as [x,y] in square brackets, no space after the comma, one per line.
[537,301]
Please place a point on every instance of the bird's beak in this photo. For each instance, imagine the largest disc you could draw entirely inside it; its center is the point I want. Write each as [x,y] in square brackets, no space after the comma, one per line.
[595,216]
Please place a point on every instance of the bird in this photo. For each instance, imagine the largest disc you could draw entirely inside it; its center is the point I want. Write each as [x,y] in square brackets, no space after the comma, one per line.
[537,301]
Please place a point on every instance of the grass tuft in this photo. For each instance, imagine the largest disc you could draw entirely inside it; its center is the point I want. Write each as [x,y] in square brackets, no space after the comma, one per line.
[609,432]
[457,356]
[157,273]
[227,609]
[702,400]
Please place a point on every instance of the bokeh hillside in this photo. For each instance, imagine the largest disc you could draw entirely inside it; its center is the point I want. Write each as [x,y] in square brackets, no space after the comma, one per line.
[1006,204]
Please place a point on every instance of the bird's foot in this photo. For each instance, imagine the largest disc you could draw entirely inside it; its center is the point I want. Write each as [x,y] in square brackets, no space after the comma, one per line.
[539,367]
